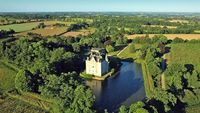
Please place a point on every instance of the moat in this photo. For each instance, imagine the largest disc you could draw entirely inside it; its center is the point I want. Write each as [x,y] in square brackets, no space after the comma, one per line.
[124,88]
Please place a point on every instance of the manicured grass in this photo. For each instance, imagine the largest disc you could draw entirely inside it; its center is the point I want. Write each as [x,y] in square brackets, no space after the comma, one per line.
[169,36]
[20,27]
[7,77]
[126,54]
[87,76]
[184,53]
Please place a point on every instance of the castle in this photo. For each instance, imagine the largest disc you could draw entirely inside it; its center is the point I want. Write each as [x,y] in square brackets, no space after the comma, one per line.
[97,62]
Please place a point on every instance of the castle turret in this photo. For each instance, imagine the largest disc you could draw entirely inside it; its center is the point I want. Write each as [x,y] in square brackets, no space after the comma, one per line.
[97,62]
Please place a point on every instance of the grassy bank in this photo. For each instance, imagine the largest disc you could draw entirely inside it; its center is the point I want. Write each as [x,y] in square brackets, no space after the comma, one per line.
[148,81]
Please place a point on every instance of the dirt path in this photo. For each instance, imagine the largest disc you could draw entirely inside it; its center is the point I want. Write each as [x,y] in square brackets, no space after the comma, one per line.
[122,50]
[163,81]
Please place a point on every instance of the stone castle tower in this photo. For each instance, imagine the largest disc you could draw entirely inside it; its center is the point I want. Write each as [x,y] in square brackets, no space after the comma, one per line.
[97,62]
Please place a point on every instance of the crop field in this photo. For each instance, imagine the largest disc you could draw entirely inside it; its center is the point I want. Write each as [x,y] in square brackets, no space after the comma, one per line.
[170,27]
[169,36]
[20,27]
[179,21]
[83,32]
[184,53]
[51,31]
[7,77]
[55,22]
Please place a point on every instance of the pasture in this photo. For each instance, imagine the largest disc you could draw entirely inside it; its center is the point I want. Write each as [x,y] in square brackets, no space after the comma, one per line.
[169,36]
[20,27]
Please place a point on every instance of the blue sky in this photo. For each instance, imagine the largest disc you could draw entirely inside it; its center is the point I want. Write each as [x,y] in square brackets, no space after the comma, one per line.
[100,5]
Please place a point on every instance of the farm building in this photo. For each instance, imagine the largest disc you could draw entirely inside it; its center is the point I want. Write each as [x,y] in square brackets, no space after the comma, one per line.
[97,62]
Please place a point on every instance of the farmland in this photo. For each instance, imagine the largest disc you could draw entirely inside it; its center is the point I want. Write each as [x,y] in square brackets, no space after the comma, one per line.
[169,36]
[51,31]
[83,32]
[48,23]
[20,27]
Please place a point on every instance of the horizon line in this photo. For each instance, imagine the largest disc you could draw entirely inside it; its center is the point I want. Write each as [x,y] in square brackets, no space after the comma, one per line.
[99,12]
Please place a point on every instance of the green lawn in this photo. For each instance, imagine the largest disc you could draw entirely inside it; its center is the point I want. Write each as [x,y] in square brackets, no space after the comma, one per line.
[126,54]
[20,27]
[7,77]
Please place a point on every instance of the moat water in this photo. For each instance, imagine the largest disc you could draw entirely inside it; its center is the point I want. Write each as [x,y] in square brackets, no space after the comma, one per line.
[124,88]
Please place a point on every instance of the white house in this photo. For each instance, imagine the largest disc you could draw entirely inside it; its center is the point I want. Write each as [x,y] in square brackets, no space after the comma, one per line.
[97,62]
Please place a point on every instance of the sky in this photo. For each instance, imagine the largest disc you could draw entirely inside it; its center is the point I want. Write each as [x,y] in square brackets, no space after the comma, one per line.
[99,5]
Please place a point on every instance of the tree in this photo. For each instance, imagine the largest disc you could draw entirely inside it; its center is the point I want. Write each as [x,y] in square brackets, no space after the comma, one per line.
[123,109]
[109,48]
[76,47]
[23,81]
[41,25]
[136,106]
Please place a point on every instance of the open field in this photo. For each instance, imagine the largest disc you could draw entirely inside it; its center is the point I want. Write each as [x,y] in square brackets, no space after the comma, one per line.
[20,27]
[169,36]
[83,32]
[184,53]
[7,77]
[46,31]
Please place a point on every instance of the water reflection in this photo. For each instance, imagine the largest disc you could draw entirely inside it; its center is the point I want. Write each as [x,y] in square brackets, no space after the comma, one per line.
[124,88]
